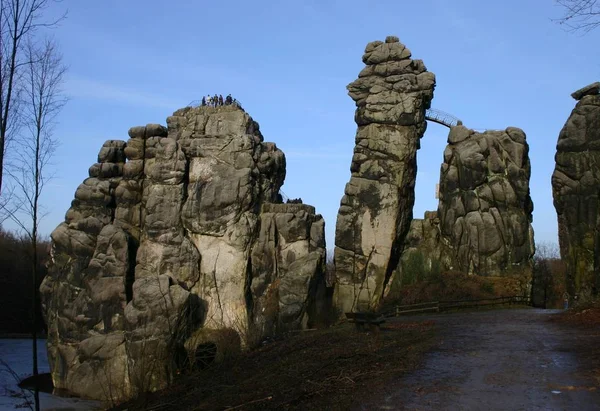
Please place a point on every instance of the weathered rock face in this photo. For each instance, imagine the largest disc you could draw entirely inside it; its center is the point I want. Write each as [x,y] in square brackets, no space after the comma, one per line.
[485,209]
[483,222]
[177,240]
[576,188]
[391,94]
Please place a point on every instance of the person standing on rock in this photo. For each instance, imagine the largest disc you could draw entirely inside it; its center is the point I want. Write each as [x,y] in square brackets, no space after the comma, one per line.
[220,99]
[203,101]
[216,100]
[228,99]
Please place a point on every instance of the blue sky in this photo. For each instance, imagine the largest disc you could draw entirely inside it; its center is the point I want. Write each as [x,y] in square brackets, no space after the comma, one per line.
[134,62]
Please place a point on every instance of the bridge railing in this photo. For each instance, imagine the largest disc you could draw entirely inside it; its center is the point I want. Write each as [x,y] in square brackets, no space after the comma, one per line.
[441,117]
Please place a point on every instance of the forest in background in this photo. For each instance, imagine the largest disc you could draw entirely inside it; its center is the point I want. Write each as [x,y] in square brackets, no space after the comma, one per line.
[16,278]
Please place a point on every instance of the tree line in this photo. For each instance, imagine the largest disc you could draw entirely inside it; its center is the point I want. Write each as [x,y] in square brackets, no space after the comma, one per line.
[16,282]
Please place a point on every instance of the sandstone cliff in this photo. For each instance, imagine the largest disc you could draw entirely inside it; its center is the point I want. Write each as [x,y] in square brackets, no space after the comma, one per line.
[176,242]
[391,93]
[576,188]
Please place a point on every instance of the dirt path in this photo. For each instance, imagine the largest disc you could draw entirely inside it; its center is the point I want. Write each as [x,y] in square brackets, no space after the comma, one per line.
[501,360]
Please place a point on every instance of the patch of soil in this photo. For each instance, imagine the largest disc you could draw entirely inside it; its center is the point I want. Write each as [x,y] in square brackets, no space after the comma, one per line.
[587,316]
[323,369]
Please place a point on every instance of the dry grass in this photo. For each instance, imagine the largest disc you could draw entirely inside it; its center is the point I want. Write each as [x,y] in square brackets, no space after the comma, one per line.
[321,369]
[584,315]
[584,323]
[455,285]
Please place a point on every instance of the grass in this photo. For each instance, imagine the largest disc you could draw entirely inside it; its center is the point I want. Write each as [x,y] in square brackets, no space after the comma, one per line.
[332,369]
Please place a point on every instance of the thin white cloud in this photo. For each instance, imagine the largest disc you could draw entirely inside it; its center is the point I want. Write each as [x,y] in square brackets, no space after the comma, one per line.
[79,87]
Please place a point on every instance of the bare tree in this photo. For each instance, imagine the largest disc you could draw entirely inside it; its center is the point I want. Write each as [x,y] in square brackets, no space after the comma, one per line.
[42,101]
[546,251]
[19,19]
[547,274]
[580,15]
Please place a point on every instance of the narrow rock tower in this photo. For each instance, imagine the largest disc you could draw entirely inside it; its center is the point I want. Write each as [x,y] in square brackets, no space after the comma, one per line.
[576,191]
[391,93]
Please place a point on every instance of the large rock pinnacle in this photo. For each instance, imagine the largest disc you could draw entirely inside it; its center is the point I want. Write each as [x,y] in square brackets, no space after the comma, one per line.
[576,191]
[391,93]
[485,209]
[178,239]
[483,222]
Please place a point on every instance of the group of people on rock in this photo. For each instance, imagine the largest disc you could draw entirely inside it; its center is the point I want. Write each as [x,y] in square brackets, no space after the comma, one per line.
[218,100]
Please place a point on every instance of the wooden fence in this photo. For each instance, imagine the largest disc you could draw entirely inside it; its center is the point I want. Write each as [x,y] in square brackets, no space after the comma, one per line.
[437,306]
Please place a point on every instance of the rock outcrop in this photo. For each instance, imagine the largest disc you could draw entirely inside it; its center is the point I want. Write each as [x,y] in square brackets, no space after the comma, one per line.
[176,242]
[483,222]
[576,189]
[391,93]
[589,90]
[485,208]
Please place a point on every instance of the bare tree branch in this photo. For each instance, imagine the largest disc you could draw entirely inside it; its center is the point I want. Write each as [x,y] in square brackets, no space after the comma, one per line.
[19,21]
[42,100]
[580,15]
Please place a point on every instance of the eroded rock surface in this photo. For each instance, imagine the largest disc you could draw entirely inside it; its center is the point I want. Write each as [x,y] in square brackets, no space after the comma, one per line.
[391,93]
[589,90]
[485,209]
[576,188]
[177,241]
[483,222]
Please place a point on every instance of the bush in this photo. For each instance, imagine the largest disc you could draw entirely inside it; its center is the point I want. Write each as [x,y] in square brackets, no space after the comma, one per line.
[413,269]
[487,287]
[416,269]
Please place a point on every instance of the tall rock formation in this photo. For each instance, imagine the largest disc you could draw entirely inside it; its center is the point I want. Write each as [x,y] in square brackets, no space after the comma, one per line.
[391,93]
[176,242]
[576,189]
[485,209]
[483,222]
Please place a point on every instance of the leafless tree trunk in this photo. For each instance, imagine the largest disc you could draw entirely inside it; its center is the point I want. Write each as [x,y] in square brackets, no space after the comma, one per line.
[19,19]
[42,100]
[580,15]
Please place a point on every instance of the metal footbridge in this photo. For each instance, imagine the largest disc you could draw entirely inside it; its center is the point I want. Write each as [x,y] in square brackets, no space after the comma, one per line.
[440,117]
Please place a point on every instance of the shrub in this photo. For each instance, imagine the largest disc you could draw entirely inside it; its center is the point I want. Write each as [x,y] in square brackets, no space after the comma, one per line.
[487,287]
[413,268]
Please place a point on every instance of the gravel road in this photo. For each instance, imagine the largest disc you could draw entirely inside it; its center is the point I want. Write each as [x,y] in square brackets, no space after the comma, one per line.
[500,360]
